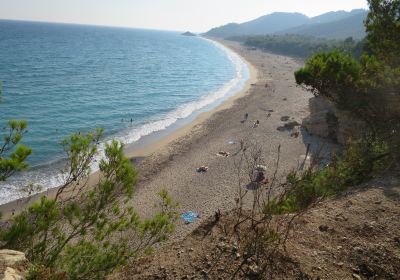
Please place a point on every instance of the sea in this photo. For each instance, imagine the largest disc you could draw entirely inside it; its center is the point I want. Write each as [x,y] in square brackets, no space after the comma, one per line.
[133,83]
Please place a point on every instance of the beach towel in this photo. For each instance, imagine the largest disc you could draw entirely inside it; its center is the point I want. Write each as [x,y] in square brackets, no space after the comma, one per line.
[190,217]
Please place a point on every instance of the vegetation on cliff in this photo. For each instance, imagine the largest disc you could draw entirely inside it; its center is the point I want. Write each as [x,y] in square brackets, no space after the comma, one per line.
[300,45]
[368,88]
[87,230]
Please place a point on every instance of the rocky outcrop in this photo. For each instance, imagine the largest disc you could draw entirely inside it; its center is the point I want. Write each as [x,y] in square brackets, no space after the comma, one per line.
[188,34]
[327,121]
[316,123]
[12,265]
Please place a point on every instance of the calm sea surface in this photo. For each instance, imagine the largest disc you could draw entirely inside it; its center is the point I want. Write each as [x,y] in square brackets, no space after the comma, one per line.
[69,78]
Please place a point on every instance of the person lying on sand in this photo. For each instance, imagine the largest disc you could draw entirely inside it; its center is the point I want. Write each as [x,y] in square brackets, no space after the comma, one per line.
[256,124]
[223,154]
[295,133]
[245,118]
[259,177]
[202,169]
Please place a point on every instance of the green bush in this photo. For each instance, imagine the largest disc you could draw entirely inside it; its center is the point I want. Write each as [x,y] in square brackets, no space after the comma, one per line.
[87,231]
[360,161]
[300,45]
[12,154]
[329,74]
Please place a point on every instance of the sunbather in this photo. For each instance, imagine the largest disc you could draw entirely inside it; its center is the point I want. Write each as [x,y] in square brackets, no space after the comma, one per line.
[202,169]
[223,154]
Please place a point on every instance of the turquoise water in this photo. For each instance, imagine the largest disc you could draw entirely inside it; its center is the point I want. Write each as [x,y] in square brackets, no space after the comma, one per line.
[69,78]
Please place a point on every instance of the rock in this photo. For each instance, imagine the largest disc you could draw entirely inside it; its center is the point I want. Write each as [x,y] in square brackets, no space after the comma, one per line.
[12,274]
[12,264]
[323,228]
[188,34]
[328,122]
[12,258]
[355,270]
[356,276]
[366,270]
[316,122]
[222,246]
[358,249]
[254,269]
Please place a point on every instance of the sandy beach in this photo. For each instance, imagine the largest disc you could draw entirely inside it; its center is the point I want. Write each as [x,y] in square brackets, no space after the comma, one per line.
[170,163]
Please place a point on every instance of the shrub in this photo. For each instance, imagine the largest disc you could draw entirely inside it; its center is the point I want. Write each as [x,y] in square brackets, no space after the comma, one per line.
[87,231]
[12,154]
[328,74]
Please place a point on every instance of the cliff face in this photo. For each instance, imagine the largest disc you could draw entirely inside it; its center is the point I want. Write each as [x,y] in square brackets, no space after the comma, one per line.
[325,120]
[12,265]
[328,122]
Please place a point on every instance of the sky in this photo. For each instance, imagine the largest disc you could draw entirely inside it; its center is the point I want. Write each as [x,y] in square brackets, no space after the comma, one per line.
[180,15]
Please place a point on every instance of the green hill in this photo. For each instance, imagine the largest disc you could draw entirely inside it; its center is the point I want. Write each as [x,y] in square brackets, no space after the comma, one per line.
[352,26]
[334,25]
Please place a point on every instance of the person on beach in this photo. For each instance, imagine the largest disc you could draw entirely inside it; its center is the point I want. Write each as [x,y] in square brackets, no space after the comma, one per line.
[246,116]
[202,169]
[256,124]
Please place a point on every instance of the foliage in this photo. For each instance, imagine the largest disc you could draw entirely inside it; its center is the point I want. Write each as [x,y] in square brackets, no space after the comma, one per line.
[329,74]
[266,209]
[12,154]
[360,161]
[383,28]
[299,45]
[370,87]
[88,230]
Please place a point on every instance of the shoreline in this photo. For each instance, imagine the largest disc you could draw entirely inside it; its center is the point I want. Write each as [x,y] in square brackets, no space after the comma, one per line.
[148,145]
[152,146]
[171,163]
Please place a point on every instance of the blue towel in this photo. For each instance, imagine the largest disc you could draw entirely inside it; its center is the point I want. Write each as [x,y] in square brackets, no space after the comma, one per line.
[190,217]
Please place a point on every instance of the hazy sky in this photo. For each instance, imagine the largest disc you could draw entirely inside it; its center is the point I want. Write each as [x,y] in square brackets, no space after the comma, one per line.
[193,15]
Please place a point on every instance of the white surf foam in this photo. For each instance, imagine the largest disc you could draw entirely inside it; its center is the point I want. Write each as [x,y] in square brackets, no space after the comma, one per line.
[52,177]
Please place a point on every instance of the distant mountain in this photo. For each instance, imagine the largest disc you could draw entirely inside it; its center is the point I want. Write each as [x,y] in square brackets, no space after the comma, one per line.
[345,26]
[339,24]
[263,25]
[335,16]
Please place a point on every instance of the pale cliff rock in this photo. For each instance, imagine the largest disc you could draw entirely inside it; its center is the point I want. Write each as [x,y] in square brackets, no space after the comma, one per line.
[12,265]
[327,121]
